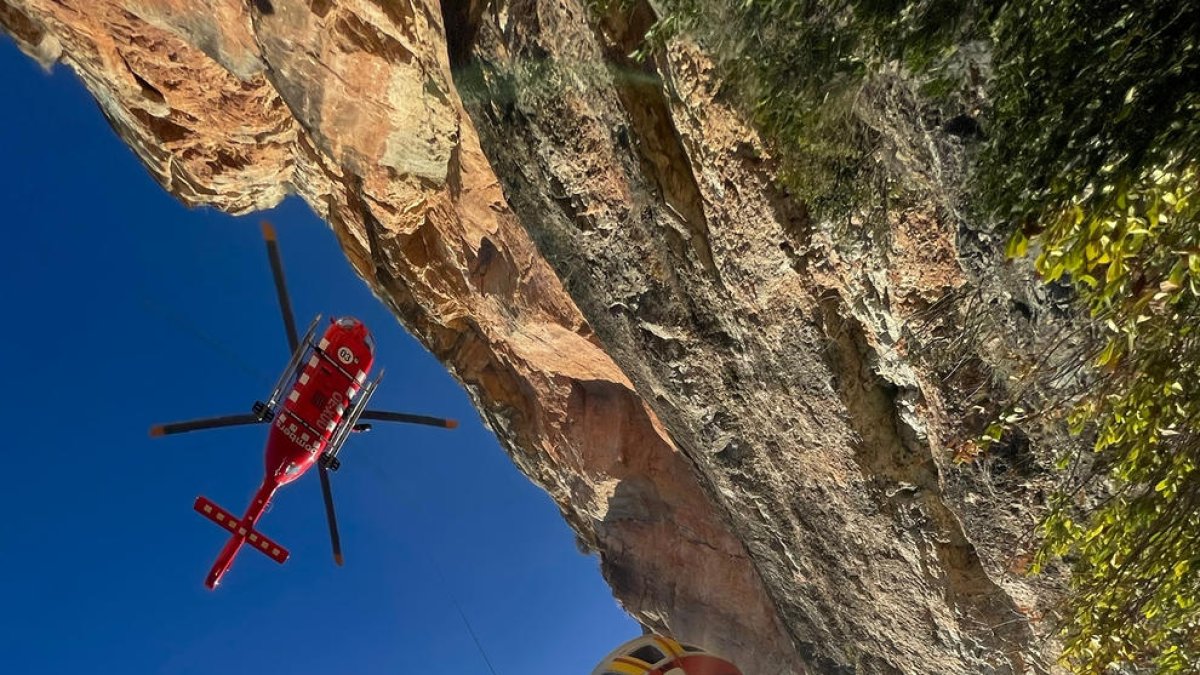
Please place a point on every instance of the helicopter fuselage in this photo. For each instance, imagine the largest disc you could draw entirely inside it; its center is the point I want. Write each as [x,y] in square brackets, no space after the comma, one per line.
[320,394]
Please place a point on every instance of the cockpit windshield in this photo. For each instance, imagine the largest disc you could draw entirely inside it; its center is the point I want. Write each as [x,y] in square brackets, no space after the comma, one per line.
[350,323]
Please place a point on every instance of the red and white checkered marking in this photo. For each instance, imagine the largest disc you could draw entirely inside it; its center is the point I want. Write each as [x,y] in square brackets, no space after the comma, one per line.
[227,520]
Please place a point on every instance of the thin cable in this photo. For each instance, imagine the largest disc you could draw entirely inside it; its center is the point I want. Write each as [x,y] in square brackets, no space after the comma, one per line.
[462,615]
[379,474]
[161,312]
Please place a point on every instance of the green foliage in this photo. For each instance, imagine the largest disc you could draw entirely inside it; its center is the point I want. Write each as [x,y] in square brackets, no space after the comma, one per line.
[799,68]
[1136,262]
[1087,93]
[1093,155]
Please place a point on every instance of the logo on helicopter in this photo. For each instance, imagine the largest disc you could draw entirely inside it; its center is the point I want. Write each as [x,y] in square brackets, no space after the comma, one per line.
[333,409]
[345,355]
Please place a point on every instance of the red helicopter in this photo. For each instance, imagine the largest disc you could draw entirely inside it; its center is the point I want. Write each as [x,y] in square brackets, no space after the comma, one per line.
[316,404]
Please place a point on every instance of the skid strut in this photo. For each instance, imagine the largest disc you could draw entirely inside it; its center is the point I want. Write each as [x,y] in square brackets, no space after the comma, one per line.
[266,411]
[329,460]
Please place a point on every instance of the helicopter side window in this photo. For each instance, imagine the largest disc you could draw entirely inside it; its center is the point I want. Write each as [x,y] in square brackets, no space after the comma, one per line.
[648,654]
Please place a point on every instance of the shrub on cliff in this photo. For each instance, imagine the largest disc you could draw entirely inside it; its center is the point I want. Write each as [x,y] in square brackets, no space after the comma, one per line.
[1094,157]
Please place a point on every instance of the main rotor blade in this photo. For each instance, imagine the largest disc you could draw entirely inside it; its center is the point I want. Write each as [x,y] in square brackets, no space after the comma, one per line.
[334,538]
[206,423]
[285,303]
[386,416]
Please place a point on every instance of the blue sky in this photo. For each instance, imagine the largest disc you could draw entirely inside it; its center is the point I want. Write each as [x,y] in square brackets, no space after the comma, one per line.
[123,309]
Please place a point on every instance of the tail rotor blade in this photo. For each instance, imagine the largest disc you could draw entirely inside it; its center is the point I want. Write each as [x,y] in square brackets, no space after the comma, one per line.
[407,418]
[334,538]
[285,303]
[206,423]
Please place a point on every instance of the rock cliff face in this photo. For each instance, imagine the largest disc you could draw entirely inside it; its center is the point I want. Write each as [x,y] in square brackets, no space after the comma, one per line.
[725,405]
